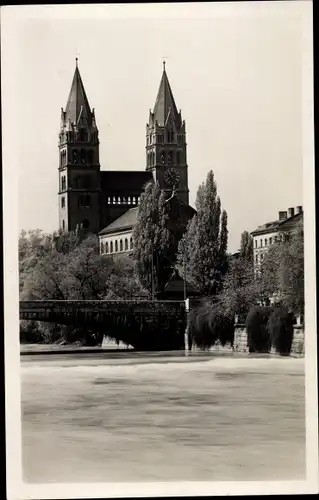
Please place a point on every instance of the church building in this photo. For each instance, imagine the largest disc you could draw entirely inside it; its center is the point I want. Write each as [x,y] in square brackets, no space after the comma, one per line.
[105,202]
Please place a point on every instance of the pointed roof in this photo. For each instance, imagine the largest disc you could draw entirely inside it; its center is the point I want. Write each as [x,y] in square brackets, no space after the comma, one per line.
[165,103]
[78,104]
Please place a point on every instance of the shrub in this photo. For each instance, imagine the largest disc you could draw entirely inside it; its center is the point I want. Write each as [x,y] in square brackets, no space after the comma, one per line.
[208,323]
[281,330]
[257,329]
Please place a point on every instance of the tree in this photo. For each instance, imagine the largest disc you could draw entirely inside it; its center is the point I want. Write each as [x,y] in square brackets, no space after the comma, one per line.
[280,326]
[282,271]
[246,246]
[154,244]
[257,329]
[204,245]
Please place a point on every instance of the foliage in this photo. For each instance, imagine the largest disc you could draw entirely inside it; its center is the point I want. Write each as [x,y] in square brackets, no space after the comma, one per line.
[64,267]
[246,246]
[155,245]
[280,325]
[257,329]
[282,271]
[208,324]
[240,290]
[204,245]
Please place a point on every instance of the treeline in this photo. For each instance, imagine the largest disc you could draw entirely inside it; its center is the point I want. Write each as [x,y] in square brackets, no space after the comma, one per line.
[67,266]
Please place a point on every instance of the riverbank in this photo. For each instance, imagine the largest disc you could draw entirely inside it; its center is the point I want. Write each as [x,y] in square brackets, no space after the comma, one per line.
[111,348]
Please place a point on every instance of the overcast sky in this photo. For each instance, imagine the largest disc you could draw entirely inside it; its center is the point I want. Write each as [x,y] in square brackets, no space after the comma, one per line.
[235,71]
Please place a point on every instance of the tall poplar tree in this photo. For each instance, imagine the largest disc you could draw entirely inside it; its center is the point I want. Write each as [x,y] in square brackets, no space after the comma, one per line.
[246,246]
[203,247]
[154,245]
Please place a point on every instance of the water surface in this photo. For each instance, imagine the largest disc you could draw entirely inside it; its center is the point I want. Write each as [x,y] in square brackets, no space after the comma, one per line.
[163,417]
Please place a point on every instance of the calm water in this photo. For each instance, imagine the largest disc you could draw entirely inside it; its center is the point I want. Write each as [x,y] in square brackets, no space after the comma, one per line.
[138,417]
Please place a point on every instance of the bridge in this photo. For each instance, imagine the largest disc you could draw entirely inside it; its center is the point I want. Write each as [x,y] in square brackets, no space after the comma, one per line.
[146,325]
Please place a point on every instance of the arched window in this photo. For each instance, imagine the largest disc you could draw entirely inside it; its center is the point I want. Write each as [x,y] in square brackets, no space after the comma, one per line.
[124,200]
[129,200]
[134,200]
[131,243]
[178,157]
[106,247]
[102,247]
[83,156]
[121,245]
[116,246]
[126,244]
[111,247]
[114,200]
[108,200]
[266,242]
[119,200]
[63,225]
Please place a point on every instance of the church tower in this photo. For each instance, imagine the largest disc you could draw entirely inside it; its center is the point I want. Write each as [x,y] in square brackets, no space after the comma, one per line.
[79,166]
[166,143]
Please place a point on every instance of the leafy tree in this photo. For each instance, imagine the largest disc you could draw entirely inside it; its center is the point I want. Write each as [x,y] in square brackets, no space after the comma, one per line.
[205,243]
[246,246]
[282,271]
[209,323]
[154,244]
[280,325]
[257,329]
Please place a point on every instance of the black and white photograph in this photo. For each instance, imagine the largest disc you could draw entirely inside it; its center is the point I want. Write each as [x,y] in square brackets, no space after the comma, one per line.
[159,249]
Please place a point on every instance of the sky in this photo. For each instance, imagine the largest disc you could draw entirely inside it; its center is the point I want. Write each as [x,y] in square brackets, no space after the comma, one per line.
[236,73]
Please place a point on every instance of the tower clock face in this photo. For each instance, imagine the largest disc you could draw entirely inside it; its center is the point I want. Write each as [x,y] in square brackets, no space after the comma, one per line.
[171,177]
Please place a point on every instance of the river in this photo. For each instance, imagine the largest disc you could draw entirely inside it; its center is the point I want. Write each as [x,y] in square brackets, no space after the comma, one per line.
[125,416]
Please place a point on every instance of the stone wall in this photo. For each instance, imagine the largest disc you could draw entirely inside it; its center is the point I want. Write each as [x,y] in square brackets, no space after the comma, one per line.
[240,340]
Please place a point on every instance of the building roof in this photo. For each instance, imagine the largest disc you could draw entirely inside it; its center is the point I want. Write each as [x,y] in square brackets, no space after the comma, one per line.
[266,228]
[119,180]
[125,222]
[165,104]
[78,105]
[279,225]
[175,284]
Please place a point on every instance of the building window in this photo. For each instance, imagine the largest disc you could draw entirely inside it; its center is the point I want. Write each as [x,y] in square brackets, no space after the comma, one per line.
[276,239]
[131,243]
[257,258]
[85,224]
[178,157]
[261,256]
[63,225]
[106,247]
[102,247]
[116,246]
[63,183]
[261,243]
[256,242]
[111,247]
[126,244]
[121,245]
[74,156]
[266,242]
[62,202]
[160,138]
[270,241]
[170,158]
